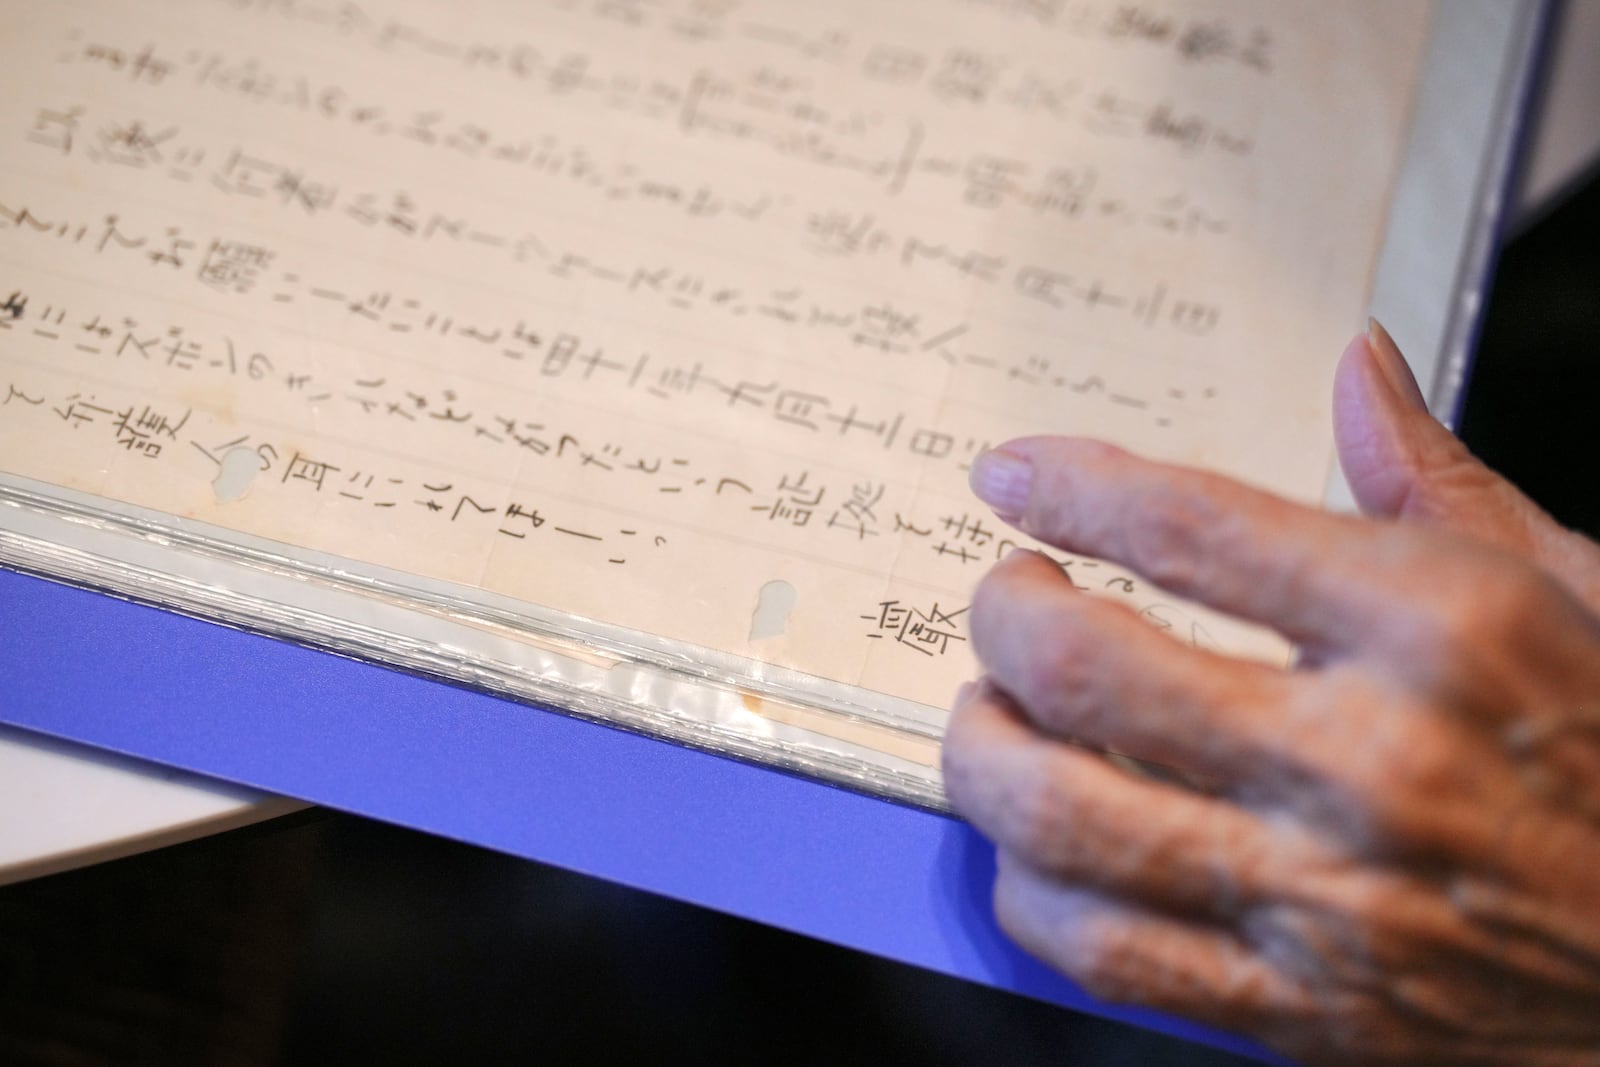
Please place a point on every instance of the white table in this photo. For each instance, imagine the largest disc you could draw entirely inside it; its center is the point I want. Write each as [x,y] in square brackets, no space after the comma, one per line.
[64,805]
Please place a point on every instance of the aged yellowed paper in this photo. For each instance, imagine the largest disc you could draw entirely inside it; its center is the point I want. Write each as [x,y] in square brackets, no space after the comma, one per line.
[685,315]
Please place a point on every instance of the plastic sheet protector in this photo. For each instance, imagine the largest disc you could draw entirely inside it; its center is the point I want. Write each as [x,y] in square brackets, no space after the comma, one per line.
[628,357]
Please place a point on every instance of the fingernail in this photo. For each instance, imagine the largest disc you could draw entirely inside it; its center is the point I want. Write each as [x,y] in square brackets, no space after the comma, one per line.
[1002,480]
[1394,367]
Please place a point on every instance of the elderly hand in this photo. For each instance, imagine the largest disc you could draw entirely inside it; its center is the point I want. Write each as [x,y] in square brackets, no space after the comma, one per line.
[1395,852]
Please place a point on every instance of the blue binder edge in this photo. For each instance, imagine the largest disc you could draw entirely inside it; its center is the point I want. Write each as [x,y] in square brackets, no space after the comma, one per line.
[867,874]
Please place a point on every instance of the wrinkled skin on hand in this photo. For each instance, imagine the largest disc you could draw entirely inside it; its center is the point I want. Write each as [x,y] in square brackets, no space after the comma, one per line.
[1389,852]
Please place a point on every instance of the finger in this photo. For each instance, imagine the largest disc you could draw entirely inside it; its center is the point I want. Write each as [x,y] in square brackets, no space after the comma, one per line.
[1123,953]
[1403,463]
[1318,578]
[1068,811]
[1089,669]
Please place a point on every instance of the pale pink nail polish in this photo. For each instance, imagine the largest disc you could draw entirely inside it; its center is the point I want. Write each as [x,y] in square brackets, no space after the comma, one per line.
[1394,367]
[1002,480]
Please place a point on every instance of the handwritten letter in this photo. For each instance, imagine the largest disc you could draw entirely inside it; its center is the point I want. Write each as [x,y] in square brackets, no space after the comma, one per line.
[645,310]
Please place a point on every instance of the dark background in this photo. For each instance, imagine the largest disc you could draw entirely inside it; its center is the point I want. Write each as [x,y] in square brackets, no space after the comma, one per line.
[1532,410]
[324,937]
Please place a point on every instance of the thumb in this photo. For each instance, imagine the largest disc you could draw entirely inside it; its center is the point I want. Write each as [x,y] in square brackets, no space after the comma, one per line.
[1402,463]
